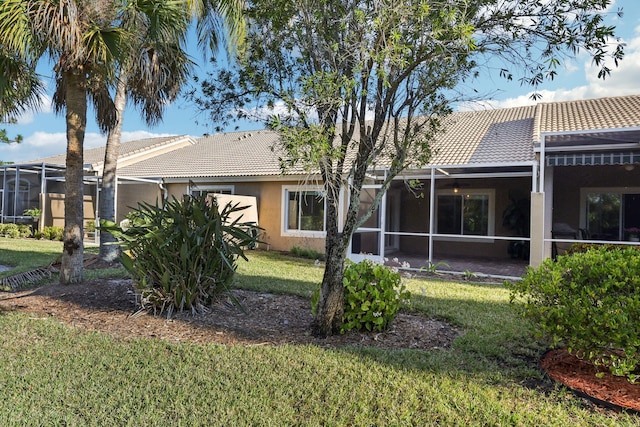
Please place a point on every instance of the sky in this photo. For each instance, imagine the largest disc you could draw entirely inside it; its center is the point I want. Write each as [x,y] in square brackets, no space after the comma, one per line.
[44,131]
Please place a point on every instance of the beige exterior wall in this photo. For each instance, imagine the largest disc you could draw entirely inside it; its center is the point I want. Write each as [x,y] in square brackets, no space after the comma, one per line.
[130,194]
[54,209]
[569,180]
[269,200]
[537,253]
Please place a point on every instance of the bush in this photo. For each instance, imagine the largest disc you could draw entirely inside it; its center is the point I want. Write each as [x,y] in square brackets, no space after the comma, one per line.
[10,230]
[25,230]
[183,253]
[372,296]
[306,253]
[50,233]
[589,302]
[584,247]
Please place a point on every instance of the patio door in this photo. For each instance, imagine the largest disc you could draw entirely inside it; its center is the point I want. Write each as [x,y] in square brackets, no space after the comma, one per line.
[368,240]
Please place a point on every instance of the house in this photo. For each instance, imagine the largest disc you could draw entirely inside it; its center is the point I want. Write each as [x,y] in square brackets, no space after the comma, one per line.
[517,184]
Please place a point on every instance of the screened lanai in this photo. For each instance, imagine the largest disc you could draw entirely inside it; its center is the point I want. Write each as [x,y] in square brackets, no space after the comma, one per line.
[473,216]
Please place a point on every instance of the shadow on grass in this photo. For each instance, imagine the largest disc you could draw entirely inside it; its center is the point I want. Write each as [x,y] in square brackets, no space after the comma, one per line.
[493,339]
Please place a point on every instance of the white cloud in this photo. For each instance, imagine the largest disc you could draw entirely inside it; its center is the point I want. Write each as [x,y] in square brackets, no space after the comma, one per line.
[622,81]
[29,116]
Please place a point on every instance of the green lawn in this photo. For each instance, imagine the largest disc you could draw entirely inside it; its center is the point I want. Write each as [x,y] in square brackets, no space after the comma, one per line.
[53,374]
[27,254]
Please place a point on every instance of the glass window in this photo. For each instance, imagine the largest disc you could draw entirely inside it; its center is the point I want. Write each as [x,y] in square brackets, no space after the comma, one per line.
[305,211]
[464,214]
[611,214]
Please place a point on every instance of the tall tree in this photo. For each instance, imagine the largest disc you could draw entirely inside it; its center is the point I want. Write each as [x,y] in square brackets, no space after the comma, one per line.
[366,83]
[84,41]
[154,73]
[20,90]
[151,73]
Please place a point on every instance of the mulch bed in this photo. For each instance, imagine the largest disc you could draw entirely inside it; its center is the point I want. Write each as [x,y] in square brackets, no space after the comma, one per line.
[110,306]
[580,376]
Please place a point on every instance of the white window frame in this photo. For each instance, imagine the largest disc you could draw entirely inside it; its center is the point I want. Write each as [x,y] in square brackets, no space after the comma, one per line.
[491,193]
[220,189]
[285,231]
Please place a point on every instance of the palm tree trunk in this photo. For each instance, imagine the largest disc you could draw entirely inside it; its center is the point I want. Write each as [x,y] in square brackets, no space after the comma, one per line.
[108,250]
[76,117]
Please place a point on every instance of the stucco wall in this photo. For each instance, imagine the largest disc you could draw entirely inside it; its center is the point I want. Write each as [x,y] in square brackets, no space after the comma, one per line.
[54,209]
[569,180]
[129,195]
[269,200]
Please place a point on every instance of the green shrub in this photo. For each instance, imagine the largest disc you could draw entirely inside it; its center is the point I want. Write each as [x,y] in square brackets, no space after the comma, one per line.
[372,296]
[183,253]
[25,230]
[306,253]
[89,226]
[589,302]
[50,233]
[584,247]
[10,230]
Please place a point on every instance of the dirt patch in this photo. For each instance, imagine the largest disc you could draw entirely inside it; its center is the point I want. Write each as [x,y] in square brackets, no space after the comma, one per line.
[580,376]
[110,306]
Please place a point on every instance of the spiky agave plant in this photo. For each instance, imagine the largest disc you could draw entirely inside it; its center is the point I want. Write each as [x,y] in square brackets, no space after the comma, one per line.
[182,253]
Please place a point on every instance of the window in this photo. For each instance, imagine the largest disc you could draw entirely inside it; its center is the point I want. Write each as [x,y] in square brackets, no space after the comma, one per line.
[468,214]
[611,214]
[303,211]
[211,189]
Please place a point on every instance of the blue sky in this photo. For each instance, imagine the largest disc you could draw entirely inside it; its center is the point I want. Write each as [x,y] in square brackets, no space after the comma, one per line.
[44,131]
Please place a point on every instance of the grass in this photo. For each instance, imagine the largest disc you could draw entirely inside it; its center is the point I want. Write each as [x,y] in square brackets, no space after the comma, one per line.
[53,374]
[27,254]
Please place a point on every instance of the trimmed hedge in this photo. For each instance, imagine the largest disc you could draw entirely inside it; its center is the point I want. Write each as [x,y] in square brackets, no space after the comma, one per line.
[590,302]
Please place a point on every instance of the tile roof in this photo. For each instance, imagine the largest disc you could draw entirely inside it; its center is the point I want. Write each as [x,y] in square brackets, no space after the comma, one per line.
[219,155]
[491,136]
[590,114]
[487,136]
[95,156]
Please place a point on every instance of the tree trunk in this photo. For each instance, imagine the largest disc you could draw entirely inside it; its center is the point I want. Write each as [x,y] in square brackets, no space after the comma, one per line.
[76,117]
[331,305]
[109,251]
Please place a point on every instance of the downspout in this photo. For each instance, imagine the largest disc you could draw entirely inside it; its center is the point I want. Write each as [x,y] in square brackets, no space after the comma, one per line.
[542,191]
[165,192]
[432,209]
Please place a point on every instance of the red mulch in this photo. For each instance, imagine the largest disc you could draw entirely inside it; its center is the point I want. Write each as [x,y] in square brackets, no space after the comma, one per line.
[580,375]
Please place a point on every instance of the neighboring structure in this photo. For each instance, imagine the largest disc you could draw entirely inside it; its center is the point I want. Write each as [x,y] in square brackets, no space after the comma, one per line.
[511,183]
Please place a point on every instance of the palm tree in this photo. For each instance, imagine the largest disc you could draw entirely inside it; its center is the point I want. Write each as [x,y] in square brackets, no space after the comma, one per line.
[20,90]
[152,73]
[20,87]
[152,90]
[85,41]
